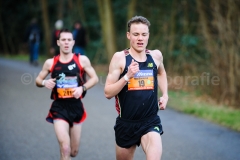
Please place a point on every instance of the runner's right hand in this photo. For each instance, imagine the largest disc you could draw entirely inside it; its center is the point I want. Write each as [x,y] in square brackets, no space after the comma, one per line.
[50,83]
[133,68]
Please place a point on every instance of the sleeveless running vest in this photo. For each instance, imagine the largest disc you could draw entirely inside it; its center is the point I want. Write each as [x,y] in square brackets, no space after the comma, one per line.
[68,76]
[139,97]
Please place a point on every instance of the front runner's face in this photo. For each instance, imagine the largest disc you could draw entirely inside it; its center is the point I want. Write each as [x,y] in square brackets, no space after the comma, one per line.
[66,42]
[138,36]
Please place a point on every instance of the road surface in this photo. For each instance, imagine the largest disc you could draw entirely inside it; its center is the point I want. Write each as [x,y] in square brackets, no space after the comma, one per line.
[25,135]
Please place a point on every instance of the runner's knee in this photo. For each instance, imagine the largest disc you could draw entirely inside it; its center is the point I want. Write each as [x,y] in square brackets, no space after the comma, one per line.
[65,149]
[74,153]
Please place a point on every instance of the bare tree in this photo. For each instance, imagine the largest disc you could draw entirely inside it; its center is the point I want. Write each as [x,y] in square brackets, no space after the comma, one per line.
[60,9]
[222,41]
[131,12]
[46,27]
[80,10]
[2,33]
[108,27]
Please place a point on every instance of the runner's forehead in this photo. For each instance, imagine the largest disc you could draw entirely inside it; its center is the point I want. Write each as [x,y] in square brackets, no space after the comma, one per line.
[139,28]
[66,35]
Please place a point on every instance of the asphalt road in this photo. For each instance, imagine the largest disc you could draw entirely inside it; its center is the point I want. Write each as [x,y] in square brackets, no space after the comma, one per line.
[25,135]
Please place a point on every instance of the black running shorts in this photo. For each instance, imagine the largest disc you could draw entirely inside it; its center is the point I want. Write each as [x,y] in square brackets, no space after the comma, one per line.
[129,132]
[71,111]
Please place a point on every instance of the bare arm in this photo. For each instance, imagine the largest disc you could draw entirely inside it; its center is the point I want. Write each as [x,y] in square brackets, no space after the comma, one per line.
[93,78]
[162,79]
[50,83]
[113,84]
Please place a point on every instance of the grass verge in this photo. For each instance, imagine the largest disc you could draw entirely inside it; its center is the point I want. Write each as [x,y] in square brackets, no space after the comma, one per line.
[190,104]
[24,57]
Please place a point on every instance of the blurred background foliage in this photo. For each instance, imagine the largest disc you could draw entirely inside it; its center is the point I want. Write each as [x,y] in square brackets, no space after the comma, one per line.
[199,39]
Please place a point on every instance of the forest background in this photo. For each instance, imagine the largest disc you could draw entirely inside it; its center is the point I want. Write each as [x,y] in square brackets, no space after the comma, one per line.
[199,39]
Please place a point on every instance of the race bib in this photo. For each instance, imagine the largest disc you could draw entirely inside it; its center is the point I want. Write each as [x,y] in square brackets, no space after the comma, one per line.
[143,80]
[65,86]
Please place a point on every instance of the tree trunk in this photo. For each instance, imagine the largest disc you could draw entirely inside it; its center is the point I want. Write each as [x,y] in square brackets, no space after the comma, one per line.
[106,18]
[131,9]
[60,9]
[102,20]
[172,35]
[232,38]
[173,26]
[80,11]
[3,36]
[222,38]
[185,17]
[131,12]
[211,46]
[46,27]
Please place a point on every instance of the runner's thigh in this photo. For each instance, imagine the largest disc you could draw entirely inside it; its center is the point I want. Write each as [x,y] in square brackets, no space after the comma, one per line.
[75,135]
[61,128]
[152,143]
[125,153]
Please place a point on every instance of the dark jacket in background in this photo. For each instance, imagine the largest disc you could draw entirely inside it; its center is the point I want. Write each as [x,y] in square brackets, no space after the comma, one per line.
[80,37]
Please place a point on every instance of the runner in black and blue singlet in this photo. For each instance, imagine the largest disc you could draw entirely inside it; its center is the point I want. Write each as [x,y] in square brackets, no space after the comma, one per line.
[137,105]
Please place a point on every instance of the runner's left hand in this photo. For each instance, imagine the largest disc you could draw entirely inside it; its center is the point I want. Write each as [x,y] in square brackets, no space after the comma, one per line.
[77,92]
[163,103]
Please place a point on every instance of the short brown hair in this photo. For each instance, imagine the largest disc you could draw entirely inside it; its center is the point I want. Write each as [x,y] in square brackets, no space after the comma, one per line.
[63,31]
[137,19]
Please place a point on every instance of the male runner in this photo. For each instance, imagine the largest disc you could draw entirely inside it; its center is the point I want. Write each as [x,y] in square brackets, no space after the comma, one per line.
[133,79]
[67,85]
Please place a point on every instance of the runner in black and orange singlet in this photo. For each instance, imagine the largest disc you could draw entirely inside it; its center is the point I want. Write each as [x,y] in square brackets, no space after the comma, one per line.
[68,87]
[134,77]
